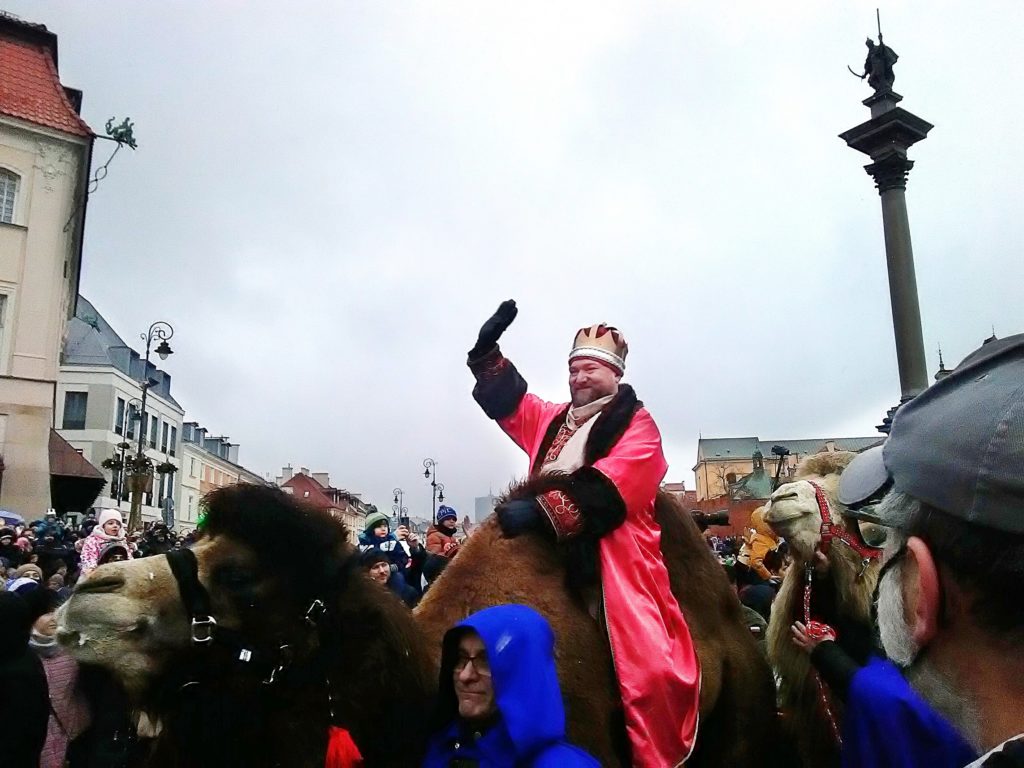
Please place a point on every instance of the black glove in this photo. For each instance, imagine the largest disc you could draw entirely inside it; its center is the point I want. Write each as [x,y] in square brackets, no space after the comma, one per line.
[491,331]
[519,516]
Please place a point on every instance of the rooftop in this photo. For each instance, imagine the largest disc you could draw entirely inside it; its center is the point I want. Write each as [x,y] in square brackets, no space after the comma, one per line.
[91,340]
[30,88]
[721,448]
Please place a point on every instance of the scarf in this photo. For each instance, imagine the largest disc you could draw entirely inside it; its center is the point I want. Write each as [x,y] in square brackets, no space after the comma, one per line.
[44,645]
[101,534]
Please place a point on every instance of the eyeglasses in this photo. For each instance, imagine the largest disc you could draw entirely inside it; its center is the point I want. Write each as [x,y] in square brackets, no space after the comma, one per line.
[869,527]
[480,664]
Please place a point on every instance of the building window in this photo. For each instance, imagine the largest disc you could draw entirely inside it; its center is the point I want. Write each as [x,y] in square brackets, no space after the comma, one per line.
[163,440]
[192,471]
[119,417]
[174,440]
[154,428]
[74,409]
[188,515]
[8,194]
[133,416]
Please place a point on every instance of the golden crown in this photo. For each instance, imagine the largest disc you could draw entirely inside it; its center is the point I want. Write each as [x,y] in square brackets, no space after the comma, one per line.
[602,343]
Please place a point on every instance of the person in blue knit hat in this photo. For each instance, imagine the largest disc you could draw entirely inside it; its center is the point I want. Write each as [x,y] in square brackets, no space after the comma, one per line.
[441,536]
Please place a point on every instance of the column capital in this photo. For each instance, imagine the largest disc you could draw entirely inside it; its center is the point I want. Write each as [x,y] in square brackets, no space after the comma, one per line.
[890,171]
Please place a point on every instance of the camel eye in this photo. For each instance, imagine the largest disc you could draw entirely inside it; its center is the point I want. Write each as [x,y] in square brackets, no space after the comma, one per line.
[232,577]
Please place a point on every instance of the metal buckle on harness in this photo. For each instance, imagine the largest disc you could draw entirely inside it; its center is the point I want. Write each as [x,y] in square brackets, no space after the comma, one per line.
[315,612]
[286,658]
[202,629]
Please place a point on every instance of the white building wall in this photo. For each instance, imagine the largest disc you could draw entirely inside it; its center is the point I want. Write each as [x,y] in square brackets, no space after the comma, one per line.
[99,440]
[38,271]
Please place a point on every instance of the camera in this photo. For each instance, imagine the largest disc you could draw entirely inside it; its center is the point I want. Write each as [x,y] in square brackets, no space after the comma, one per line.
[706,519]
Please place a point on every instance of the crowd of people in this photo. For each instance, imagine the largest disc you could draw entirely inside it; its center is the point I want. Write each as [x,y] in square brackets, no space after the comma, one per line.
[400,561]
[40,563]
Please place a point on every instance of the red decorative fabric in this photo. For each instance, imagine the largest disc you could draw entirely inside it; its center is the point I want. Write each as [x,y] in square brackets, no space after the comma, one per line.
[342,752]
[655,661]
[564,514]
[564,433]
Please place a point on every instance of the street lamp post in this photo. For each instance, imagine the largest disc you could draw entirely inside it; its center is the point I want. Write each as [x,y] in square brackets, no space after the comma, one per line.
[159,331]
[399,512]
[133,410]
[436,488]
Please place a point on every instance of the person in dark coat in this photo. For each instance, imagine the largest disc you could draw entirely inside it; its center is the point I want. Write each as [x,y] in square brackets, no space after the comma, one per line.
[378,567]
[11,552]
[499,702]
[24,682]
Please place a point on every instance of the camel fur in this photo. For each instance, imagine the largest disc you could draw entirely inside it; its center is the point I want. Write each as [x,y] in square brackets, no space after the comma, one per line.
[737,693]
[263,558]
[841,598]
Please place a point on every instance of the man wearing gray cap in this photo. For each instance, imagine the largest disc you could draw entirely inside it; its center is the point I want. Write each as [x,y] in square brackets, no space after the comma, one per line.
[951,587]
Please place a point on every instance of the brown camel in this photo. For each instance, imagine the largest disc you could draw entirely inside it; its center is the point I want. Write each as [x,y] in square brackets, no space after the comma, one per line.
[300,631]
[841,596]
[737,710]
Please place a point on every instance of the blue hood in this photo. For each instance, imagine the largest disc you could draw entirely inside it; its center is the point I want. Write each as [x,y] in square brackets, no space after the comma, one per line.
[520,651]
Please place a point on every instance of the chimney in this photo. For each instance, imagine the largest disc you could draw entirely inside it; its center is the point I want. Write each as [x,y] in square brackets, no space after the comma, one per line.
[233,453]
[287,473]
[323,478]
[304,471]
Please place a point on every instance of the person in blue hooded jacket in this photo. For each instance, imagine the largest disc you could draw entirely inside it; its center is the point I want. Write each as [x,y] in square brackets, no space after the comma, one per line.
[499,702]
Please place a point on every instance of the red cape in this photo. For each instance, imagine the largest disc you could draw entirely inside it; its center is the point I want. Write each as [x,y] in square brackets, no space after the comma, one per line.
[655,661]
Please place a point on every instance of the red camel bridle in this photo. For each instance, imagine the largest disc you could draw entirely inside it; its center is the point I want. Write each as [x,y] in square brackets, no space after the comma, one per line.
[816,629]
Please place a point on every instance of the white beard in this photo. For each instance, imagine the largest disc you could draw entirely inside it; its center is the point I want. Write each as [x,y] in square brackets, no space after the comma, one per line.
[935,687]
[897,637]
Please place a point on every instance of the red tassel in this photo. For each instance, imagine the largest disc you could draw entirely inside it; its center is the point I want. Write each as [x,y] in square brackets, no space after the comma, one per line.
[342,752]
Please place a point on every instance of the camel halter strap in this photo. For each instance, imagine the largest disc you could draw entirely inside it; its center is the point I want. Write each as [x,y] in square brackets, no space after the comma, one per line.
[204,629]
[816,629]
[829,530]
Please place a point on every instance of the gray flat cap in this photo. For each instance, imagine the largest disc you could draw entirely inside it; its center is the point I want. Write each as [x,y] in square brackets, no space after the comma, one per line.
[863,477]
[959,445]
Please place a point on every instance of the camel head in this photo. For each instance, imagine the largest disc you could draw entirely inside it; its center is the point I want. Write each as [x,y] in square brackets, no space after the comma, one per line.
[262,557]
[792,511]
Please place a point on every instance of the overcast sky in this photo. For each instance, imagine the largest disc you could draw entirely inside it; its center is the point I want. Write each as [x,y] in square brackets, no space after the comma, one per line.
[329,198]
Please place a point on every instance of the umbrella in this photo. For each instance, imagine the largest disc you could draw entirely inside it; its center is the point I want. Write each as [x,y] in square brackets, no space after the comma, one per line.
[11,518]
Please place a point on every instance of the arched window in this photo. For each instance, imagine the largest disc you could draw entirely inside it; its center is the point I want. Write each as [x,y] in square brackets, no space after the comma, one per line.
[8,194]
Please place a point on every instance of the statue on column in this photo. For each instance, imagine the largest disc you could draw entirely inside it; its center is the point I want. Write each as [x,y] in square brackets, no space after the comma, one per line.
[878,65]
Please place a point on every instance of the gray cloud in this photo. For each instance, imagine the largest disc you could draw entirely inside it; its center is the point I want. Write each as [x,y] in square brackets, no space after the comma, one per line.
[328,198]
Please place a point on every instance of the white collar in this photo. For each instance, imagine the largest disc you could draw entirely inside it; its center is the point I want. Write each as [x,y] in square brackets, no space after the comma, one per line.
[577,416]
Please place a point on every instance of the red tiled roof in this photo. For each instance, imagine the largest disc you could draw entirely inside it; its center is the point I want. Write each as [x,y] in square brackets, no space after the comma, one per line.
[30,89]
[309,490]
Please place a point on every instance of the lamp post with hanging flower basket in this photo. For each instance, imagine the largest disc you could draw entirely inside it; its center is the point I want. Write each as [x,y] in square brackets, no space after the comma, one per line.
[141,467]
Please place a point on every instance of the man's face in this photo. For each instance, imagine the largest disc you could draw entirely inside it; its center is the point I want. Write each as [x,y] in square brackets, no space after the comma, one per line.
[380,572]
[7,540]
[472,676]
[589,380]
[381,530]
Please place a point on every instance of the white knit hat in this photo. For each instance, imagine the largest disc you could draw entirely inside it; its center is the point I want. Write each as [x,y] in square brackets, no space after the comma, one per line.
[109,514]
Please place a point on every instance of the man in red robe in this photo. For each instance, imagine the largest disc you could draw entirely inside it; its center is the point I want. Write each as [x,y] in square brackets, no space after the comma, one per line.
[596,466]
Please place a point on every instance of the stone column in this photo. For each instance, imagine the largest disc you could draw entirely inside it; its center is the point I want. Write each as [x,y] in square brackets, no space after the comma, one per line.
[885,138]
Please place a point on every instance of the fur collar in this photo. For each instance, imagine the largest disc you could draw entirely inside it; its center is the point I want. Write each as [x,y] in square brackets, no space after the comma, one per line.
[610,424]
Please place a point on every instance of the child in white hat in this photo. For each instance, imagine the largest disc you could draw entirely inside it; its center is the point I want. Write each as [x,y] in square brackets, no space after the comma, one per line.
[109,529]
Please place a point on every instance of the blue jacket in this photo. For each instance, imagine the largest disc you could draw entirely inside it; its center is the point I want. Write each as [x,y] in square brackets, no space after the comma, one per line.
[529,731]
[888,725]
